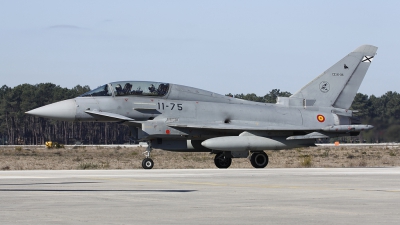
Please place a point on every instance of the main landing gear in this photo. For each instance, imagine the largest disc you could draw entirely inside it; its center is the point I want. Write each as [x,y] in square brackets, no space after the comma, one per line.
[259,159]
[223,160]
[147,163]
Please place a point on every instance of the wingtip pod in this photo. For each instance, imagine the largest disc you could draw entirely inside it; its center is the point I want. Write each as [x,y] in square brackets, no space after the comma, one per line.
[367,49]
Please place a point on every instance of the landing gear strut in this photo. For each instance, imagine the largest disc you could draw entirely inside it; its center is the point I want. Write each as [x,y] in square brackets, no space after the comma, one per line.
[259,159]
[147,163]
[221,161]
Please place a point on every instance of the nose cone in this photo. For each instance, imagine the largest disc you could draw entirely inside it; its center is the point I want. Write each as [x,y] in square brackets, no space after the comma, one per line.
[64,110]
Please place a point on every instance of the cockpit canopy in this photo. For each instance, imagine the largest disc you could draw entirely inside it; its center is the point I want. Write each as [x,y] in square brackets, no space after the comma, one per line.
[100,91]
[122,88]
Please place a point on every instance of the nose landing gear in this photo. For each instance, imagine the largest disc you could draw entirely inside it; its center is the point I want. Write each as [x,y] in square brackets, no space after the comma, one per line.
[147,163]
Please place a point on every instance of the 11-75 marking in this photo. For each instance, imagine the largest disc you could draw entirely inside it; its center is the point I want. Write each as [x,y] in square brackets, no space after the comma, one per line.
[163,106]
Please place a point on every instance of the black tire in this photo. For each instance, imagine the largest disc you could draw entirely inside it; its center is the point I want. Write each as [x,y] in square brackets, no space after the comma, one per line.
[221,161]
[259,159]
[147,163]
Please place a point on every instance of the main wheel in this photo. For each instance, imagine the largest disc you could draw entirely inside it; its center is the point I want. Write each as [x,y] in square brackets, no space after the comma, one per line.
[221,161]
[147,163]
[259,159]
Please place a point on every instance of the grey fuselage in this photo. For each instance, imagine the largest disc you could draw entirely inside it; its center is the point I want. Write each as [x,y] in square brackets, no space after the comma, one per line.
[181,118]
[185,115]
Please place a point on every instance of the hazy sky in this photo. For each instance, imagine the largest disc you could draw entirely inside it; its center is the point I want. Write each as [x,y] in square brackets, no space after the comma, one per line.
[221,46]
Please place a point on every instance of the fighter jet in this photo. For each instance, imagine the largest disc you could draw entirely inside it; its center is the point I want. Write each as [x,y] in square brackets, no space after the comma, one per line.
[178,118]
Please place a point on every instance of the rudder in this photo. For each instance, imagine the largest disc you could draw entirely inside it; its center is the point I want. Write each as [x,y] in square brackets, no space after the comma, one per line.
[338,85]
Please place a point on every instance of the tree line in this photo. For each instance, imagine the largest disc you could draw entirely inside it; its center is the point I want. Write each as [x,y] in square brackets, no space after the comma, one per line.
[18,128]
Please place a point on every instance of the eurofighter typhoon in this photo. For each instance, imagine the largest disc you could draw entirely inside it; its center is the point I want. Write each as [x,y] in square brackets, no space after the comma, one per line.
[184,119]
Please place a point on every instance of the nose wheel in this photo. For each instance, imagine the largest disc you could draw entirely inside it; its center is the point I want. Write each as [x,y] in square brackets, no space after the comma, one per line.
[147,163]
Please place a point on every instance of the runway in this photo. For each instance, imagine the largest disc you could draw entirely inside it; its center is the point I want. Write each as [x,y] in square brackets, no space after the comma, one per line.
[206,196]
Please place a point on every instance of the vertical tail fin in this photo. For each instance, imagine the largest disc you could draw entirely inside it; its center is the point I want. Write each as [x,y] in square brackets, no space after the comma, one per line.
[338,85]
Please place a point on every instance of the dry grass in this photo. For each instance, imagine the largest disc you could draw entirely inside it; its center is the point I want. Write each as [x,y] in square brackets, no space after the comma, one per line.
[38,157]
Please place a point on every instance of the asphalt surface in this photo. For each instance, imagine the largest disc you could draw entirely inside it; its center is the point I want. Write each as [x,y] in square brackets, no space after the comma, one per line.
[233,196]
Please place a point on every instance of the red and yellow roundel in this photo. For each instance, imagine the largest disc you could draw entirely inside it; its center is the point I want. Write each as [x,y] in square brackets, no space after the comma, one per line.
[320,118]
